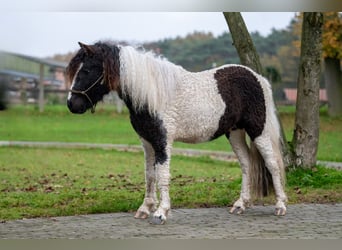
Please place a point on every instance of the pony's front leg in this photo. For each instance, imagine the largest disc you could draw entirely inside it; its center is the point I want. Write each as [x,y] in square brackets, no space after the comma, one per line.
[150,201]
[163,182]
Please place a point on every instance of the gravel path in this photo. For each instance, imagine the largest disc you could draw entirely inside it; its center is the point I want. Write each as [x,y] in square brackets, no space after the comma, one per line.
[303,221]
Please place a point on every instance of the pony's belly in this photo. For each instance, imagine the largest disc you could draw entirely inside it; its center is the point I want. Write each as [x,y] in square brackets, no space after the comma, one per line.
[198,108]
[193,139]
[197,129]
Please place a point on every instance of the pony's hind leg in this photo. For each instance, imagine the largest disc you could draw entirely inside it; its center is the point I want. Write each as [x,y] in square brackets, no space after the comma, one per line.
[264,145]
[237,139]
[150,201]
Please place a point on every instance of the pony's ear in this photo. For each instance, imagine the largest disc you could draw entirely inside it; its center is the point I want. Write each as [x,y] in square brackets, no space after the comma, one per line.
[88,49]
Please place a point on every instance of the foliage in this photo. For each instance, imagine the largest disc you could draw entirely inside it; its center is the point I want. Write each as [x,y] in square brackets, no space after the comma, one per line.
[199,51]
[332,35]
[272,74]
[280,49]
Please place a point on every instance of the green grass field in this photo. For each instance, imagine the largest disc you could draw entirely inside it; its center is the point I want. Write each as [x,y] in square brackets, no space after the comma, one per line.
[44,182]
[52,182]
[39,182]
[106,126]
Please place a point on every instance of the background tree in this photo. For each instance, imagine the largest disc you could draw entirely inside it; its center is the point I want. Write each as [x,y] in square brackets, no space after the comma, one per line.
[272,74]
[332,54]
[249,57]
[306,132]
[305,139]
[199,51]
[243,41]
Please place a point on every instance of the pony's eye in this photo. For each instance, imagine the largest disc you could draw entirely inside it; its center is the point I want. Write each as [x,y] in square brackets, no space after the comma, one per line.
[85,72]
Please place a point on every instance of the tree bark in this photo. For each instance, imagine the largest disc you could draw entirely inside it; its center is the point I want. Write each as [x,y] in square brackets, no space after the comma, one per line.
[250,58]
[306,133]
[243,41]
[333,84]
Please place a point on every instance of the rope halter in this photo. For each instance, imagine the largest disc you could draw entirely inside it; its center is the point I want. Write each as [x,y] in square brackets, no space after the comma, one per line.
[84,92]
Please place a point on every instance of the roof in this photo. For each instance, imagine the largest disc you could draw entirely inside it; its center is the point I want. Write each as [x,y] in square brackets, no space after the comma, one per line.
[18,74]
[49,62]
[291,94]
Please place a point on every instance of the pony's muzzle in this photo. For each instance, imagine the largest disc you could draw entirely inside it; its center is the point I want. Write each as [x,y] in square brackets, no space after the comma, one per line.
[76,106]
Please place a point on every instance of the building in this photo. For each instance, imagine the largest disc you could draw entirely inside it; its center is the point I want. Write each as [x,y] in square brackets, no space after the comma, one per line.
[291,96]
[28,77]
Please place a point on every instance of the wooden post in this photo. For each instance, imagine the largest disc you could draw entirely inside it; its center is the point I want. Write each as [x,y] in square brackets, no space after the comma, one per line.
[23,91]
[41,88]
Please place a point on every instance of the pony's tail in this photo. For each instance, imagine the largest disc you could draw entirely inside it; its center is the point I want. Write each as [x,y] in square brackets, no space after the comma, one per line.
[261,182]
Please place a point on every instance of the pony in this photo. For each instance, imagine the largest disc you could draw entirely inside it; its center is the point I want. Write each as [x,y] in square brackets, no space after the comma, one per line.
[168,103]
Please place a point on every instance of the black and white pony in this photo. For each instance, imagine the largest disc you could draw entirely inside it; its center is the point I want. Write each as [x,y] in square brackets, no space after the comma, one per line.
[168,103]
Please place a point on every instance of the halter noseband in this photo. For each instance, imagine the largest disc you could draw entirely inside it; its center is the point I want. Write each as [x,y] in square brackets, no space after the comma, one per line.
[84,92]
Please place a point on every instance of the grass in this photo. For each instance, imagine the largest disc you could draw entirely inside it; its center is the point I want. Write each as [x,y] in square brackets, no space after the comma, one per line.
[38,182]
[58,124]
[106,126]
[330,134]
[319,185]
[65,182]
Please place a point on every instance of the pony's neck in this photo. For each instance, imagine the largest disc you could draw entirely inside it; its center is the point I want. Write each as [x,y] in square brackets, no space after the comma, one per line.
[148,81]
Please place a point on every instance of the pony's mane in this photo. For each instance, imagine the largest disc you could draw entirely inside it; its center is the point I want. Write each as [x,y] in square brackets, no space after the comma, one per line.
[74,65]
[108,53]
[148,80]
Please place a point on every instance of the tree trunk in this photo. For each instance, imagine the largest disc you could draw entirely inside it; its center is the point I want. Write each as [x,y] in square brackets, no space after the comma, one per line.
[243,41]
[250,58]
[333,84]
[306,133]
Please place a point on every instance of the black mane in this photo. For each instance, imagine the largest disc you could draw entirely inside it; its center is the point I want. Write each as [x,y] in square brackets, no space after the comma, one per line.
[108,53]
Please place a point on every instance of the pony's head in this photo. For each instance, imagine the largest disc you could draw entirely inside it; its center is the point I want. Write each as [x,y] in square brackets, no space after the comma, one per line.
[93,72]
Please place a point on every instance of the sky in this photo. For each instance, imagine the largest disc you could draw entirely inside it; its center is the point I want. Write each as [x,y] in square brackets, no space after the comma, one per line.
[46,33]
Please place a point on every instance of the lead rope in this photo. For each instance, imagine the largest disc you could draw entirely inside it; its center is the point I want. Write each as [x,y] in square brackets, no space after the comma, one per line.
[84,92]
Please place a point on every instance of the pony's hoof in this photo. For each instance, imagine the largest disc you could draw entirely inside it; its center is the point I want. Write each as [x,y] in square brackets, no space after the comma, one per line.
[280,211]
[141,215]
[157,220]
[237,210]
